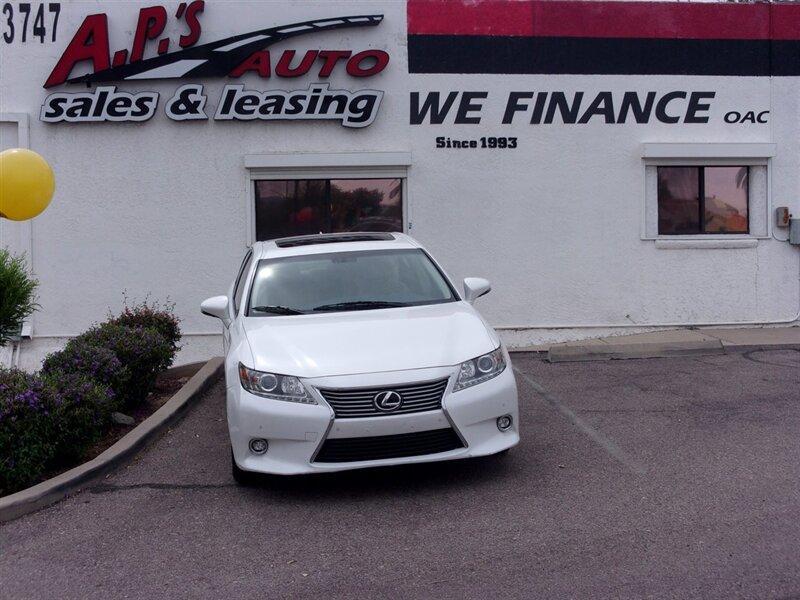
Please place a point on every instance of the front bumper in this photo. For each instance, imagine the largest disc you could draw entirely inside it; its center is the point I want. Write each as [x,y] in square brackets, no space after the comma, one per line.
[296,432]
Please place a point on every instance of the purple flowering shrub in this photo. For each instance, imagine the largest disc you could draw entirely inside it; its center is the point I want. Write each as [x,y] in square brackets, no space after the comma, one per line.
[94,362]
[151,315]
[143,352]
[49,420]
[26,429]
[81,412]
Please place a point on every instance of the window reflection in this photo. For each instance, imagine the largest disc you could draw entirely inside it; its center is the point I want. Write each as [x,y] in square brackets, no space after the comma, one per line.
[297,206]
[695,200]
[725,200]
[678,203]
[305,206]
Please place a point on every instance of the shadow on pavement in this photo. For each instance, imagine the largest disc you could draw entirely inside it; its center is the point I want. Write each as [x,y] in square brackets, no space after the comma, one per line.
[411,479]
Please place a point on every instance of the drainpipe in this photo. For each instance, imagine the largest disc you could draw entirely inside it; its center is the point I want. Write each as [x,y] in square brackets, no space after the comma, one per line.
[9,354]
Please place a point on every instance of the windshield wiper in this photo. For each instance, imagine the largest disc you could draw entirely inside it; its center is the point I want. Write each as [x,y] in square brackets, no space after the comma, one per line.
[277,310]
[359,305]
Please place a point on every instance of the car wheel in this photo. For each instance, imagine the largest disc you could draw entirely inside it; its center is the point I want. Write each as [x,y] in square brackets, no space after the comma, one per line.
[240,476]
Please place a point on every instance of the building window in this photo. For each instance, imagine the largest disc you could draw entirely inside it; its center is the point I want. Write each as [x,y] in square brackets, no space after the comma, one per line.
[703,200]
[286,207]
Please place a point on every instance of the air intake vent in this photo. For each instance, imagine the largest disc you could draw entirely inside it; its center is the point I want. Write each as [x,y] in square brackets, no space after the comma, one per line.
[383,447]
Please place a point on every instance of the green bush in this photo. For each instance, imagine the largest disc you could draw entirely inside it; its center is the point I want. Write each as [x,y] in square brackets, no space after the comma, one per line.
[151,315]
[17,294]
[143,352]
[26,429]
[81,413]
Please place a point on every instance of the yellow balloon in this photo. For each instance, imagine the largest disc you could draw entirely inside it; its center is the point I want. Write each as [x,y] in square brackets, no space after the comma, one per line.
[26,184]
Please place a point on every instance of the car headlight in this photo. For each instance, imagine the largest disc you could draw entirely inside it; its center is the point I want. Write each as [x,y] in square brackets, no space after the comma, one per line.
[480,369]
[272,385]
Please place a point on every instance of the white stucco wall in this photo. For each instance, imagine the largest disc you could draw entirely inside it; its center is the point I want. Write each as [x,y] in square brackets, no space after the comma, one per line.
[160,207]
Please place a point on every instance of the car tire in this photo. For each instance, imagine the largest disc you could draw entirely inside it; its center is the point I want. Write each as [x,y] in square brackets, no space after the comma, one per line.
[240,476]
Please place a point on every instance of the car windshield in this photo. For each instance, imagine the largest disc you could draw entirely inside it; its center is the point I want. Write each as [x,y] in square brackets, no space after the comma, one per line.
[344,281]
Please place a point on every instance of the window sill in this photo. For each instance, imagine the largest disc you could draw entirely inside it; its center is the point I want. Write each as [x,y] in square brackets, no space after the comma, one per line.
[705,244]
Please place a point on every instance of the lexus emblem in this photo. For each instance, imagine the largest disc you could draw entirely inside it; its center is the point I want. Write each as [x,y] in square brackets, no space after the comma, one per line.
[387,401]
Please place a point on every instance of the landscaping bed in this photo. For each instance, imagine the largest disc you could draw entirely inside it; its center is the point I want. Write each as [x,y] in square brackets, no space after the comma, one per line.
[166,386]
[86,396]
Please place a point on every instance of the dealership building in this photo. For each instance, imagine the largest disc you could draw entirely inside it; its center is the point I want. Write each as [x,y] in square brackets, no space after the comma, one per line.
[611,167]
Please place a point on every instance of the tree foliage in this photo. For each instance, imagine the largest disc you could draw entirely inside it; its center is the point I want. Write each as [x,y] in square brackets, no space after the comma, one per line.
[17,294]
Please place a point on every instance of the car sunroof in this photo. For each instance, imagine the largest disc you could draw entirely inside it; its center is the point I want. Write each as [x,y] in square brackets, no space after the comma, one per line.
[332,238]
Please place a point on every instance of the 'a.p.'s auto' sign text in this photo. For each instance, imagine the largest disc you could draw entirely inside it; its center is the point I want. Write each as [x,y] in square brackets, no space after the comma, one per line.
[230,57]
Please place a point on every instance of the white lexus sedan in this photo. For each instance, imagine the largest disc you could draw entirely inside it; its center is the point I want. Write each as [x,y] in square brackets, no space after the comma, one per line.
[355,350]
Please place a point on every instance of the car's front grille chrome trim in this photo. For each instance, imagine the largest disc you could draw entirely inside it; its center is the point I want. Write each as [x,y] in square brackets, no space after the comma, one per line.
[360,402]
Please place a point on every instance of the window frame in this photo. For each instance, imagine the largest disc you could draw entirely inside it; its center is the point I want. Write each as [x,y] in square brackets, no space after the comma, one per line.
[701,199]
[17,236]
[328,180]
[346,165]
[757,156]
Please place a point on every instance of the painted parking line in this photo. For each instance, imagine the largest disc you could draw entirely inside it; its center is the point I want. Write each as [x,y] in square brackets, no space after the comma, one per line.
[597,437]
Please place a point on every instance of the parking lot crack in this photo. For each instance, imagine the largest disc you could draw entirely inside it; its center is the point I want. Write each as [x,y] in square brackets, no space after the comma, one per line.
[104,488]
[749,356]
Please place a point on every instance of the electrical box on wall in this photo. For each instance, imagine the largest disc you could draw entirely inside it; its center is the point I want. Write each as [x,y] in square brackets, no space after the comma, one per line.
[782,216]
[794,232]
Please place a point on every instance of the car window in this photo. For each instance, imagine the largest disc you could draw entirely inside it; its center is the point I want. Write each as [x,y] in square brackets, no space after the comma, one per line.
[341,281]
[240,281]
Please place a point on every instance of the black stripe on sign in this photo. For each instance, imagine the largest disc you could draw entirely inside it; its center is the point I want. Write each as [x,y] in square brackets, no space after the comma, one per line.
[600,56]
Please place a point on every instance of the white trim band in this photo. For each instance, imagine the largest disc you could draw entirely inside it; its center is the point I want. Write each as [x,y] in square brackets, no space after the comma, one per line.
[323,161]
[672,150]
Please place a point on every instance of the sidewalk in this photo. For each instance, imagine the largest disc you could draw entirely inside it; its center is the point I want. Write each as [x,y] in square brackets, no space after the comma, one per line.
[671,342]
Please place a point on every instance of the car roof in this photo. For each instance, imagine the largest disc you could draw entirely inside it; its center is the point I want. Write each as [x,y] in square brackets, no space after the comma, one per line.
[333,242]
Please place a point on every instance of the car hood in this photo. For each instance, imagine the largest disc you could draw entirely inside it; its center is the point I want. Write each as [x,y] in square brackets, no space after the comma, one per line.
[368,341]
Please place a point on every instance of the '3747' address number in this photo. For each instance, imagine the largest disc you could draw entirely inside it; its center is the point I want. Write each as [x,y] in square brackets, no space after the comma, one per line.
[23,21]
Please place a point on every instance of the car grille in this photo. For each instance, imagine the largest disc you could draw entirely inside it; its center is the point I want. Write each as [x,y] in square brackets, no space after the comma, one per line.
[388,446]
[359,402]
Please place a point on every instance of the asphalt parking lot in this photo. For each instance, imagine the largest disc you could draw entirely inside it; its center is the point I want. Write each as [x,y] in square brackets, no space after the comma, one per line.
[665,478]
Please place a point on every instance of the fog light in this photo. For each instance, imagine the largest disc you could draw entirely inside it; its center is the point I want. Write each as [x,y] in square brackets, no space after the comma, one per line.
[259,446]
[503,423]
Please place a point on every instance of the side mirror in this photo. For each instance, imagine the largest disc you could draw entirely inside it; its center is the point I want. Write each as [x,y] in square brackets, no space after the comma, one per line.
[216,307]
[475,287]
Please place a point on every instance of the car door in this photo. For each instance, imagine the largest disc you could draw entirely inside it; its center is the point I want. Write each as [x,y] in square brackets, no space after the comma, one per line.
[230,335]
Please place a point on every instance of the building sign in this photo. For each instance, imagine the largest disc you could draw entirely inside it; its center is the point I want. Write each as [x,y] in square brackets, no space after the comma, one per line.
[573,37]
[230,57]
[630,41]
[524,41]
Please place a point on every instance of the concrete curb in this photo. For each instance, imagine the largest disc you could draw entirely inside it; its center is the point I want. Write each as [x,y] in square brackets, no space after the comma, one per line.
[60,486]
[681,341]
[742,348]
[187,370]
